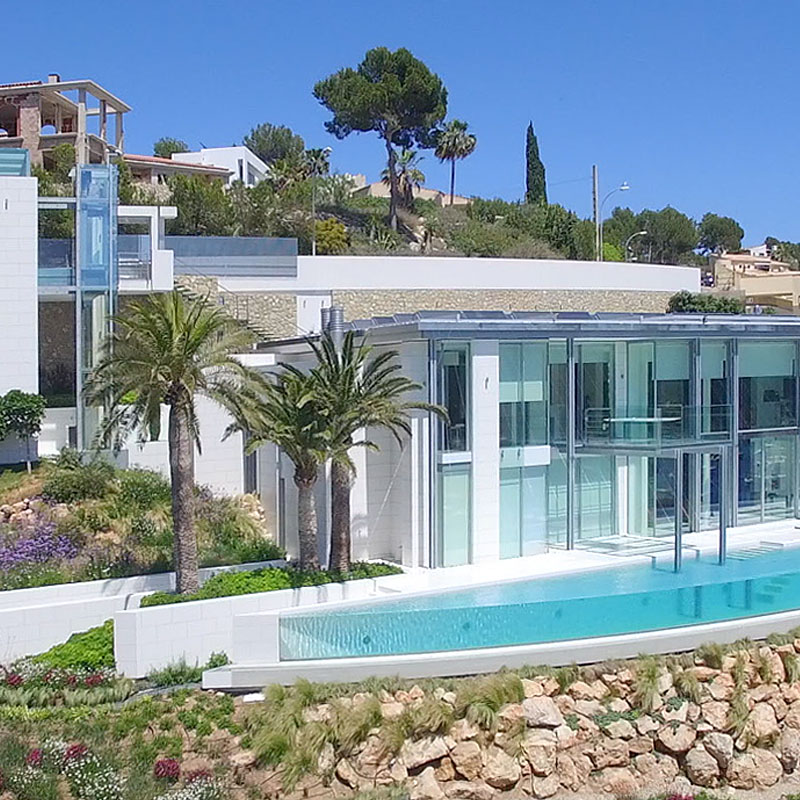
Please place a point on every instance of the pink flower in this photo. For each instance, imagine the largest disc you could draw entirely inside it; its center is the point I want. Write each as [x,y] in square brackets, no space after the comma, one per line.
[34,758]
[93,680]
[75,751]
[14,679]
[167,768]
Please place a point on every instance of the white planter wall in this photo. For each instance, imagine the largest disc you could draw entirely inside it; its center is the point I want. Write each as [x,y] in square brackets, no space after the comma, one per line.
[152,638]
[33,620]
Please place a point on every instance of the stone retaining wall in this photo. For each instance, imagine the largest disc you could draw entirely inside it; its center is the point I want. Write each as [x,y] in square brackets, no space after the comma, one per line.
[362,303]
[606,735]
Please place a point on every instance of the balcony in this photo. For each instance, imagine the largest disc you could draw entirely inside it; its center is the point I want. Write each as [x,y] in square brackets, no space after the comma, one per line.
[56,262]
[134,252]
[665,426]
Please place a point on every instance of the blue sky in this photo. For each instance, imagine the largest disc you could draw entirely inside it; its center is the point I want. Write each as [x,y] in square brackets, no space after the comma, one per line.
[693,102]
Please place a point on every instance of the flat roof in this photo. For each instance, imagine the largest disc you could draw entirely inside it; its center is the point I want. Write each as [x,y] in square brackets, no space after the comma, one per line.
[94,89]
[561,324]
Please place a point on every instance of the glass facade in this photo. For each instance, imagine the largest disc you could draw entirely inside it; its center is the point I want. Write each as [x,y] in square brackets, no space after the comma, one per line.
[613,443]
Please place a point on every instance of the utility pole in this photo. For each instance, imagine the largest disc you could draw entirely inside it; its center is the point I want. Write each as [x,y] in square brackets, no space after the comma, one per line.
[596,212]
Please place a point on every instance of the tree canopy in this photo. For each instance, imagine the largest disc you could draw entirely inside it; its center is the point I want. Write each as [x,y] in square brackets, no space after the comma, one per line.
[535,181]
[166,146]
[454,142]
[719,234]
[390,93]
[275,143]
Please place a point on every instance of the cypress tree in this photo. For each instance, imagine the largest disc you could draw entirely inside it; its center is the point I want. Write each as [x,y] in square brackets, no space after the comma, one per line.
[535,184]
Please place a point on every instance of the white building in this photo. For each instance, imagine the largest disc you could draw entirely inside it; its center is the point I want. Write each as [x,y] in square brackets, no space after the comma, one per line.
[241,162]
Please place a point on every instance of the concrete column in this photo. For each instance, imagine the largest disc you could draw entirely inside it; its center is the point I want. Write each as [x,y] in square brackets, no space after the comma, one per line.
[485,451]
[81,142]
[119,137]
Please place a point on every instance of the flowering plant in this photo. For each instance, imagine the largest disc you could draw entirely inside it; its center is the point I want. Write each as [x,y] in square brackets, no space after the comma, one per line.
[76,752]
[167,768]
[35,757]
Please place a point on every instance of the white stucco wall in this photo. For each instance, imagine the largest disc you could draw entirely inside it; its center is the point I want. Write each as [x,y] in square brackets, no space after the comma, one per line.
[19,353]
[317,274]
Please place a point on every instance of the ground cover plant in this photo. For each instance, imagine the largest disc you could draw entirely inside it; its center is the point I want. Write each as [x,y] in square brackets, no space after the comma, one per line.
[229,584]
[78,519]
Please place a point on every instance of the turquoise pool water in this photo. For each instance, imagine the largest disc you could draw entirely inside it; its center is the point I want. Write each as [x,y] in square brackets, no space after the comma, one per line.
[597,603]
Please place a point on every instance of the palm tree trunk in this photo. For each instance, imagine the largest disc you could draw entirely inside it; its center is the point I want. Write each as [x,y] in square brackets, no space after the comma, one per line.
[452,179]
[340,518]
[306,522]
[394,189]
[181,469]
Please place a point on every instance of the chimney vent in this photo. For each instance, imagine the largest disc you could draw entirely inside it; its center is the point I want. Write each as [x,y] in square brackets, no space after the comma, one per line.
[54,77]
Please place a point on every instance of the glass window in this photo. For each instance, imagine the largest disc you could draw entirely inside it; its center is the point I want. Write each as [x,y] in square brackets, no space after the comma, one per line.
[523,511]
[455,514]
[523,397]
[596,515]
[766,478]
[767,385]
[673,390]
[714,389]
[557,406]
[454,396]
[557,499]
[595,387]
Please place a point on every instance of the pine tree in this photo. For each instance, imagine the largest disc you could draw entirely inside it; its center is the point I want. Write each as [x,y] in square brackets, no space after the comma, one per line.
[535,184]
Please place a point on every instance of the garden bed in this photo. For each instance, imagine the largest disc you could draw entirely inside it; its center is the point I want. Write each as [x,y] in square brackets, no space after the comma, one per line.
[73,522]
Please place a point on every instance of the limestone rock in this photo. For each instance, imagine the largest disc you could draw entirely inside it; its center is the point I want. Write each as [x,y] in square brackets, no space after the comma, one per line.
[462,730]
[326,760]
[417,754]
[500,770]
[425,786]
[468,790]
[640,745]
[715,713]
[573,770]
[619,782]
[676,739]
[792,719]
[610,753]
[532,688]
[539,747]
[468,759]
[589,708]
[701,767]
[618,705]
[720,746]
[243,759]
[545,787]
[446,771]
[509,716]
[790,748]
[620,729]
[565,737]
[542,712]
[346,774]
[755,769]
[392,710]
[721,688]
[703,673]
[763,723]
[646,725]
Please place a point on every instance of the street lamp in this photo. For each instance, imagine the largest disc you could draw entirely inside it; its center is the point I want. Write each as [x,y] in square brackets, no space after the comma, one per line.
[626,248]
[623,187]
[326,151]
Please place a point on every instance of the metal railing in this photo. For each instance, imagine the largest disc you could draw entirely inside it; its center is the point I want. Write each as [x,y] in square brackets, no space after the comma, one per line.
[57,262]
[666,424]
[134,256]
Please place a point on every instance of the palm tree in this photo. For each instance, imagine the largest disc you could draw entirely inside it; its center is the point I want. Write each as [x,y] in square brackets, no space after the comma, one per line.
[454,143]
[168,350]
[287,413]
[409,175]
[357,392]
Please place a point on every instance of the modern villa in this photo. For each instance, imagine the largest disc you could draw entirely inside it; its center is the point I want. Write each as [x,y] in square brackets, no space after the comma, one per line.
[587,429]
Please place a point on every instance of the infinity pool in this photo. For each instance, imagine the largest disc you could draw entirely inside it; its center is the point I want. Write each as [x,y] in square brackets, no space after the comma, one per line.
[641,597]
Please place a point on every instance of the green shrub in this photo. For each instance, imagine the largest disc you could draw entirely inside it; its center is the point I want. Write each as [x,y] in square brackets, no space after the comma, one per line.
[181,672]
[93,649]
[90,481]
[699,303]
[230,584]
[141,490]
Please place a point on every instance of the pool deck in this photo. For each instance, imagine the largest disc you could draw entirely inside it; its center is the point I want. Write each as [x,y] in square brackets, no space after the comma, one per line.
[247,673]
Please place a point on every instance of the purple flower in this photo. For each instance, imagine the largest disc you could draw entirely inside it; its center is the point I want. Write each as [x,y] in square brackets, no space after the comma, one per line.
[37,547]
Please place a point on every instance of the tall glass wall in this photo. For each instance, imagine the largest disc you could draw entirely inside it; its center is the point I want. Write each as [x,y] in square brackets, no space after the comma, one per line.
[455,514]
[767,466]
[454,470]
[523,398]
[767,398]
